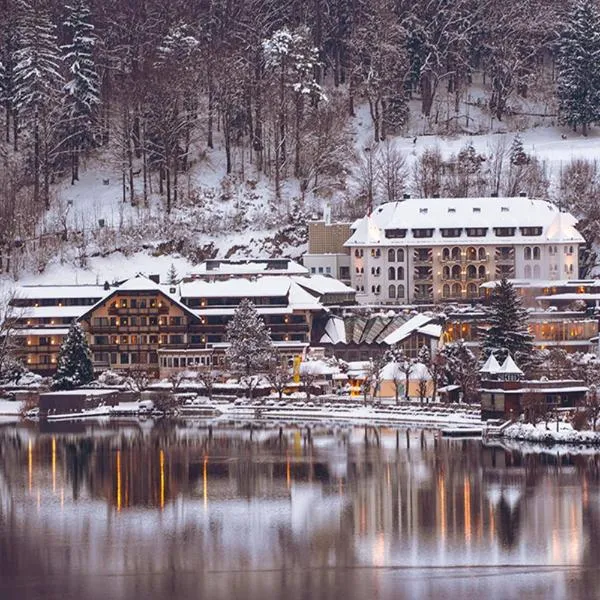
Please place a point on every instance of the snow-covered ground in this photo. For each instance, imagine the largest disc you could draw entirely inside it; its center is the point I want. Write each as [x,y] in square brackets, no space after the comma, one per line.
[563,433]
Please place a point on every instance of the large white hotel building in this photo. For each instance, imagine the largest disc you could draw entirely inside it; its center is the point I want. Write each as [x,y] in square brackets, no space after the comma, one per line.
[427,250]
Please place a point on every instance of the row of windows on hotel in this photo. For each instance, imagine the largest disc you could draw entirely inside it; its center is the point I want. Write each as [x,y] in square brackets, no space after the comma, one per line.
[471,253]
[135,321]
[175,339]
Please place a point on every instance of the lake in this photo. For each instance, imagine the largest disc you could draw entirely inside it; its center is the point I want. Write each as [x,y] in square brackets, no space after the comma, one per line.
[180,510]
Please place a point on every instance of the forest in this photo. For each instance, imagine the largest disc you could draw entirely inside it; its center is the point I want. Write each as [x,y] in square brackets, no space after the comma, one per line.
[152,87]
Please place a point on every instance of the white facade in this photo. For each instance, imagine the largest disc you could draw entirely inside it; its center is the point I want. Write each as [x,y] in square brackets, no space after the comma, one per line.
[426,250]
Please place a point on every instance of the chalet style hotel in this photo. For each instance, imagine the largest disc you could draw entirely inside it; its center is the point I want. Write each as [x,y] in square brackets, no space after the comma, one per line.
[438,249]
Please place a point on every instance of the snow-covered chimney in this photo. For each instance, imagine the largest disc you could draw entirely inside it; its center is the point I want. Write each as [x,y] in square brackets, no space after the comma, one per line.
[327,214]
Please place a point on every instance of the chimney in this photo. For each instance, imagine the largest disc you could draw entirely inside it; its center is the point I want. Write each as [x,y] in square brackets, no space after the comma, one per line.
[106,286]
[155,278]
[523,194]
[405,196]
[494,195]
[327,214]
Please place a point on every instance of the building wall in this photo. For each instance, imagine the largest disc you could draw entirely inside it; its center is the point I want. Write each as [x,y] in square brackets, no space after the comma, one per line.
[453,270]
[327,238]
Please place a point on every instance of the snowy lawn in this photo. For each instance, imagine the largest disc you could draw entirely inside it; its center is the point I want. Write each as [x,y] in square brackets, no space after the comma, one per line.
[539,433]
[10,407]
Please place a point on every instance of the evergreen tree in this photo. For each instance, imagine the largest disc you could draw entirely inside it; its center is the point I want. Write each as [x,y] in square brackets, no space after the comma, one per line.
[508,330]
[578,66]
[517,155]
[74,361]
[251,348]
[460,368]
[82,90]
[37,80]
[172,275]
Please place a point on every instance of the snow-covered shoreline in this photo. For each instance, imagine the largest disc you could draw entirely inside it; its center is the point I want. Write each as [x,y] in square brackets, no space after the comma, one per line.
[539,433]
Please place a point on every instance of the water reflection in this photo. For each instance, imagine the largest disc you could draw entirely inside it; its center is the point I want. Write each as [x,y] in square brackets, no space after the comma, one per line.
[184,511]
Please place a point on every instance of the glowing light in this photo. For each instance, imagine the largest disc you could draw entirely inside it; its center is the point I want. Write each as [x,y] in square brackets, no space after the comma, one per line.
[53,464]
[30,463]
[288,474]
[467,508]
[162,478]
[118,480]
[205,482]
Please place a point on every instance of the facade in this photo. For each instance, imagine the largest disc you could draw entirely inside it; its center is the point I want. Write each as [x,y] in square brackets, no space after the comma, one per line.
[143,325]
[505,394]
[572,331]
[327,254]
[444,249]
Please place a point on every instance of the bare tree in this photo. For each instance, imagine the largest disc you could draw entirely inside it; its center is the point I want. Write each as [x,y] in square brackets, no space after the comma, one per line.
[209,377]
[391,171]
[138,379]
[310,373]
[10,367]
[427,173]
[279,377]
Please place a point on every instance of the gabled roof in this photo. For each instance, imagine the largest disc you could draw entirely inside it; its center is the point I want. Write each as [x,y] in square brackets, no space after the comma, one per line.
[407,329]
[509,367]
[140,283]
[491,365]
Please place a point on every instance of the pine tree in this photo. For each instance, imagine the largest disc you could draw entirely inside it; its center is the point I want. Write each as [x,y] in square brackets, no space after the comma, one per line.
[517,155]
[172,276]
[37,80]
[74,361]
[578,66]
[82,91]
[508,330]
[251,348]
[460,368]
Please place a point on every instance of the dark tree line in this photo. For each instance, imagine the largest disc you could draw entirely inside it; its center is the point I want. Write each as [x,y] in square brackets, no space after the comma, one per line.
[271,81]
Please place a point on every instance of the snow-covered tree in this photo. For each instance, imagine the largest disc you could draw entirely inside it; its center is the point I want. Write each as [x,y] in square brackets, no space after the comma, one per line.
[507,330]
[172,276]
[251,349]
[402,365]
[74,367]
[461,368]
[578,66]
[82,90]
[434,363]
[37,83]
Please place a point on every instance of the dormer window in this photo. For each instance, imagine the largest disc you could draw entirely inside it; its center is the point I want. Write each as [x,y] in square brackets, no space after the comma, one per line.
[451,232]
[395,233]
[476,209]
[422,233]
[477,231]
[423,211]
[451,210]
[505,231]
[504,209]
[531,231]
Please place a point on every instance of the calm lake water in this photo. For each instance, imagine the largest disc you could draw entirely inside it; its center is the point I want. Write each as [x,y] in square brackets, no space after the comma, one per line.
[175,510]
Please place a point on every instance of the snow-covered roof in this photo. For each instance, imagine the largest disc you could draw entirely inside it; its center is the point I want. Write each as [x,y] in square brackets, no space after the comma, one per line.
[569,297]
[542,283]
[41,331]
[391,371]
[509,367]
[44,312]
[322,284]
[460,213]
[45,292]
[408,328]
[260,287]
[248,267]
[335,331]
[491,365]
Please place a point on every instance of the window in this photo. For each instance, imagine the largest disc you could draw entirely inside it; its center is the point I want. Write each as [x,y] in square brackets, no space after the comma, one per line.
[391,273]
[358,253]
[401,292]
[423,211]
[124,358]
[531,231]
[344,272]
[455,255]
[328,270]
[505,231]
[472,290]
[477,231]
[536,271]
[375,252]
[446,254]
[452,232]
[446,291]
[471,272]
[391,234]
[451,210]
[357,270]
[536,253]
[476,209]
[392,291]
[313,270]
[422,233]
[123,339]
[527,253]
[134,303]
[446,272]
[400,272]
[375,271]
[320,269]
[471,253]
[481,254]
[391,255]
[504,209]
[400,255]
[527,271]
[481,272]
[456,272]
[456,290]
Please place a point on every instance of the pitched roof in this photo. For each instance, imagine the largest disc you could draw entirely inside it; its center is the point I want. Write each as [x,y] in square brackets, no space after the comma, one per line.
[491,365]
[459,213]
[509,367]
